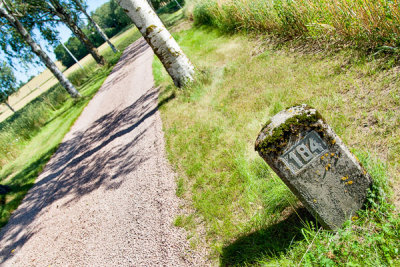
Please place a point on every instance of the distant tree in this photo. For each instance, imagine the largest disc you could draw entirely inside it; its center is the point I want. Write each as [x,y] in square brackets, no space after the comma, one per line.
[82,7]
[111,16]
[17,39]
[161,41]
[8,84]
[76,48]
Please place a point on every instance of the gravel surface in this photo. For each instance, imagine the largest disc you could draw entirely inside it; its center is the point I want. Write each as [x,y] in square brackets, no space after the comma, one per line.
[107,196]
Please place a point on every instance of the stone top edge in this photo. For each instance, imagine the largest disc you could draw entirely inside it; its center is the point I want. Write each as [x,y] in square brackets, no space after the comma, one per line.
[281,117]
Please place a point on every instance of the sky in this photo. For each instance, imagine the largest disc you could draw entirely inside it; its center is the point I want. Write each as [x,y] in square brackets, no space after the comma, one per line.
[22,74]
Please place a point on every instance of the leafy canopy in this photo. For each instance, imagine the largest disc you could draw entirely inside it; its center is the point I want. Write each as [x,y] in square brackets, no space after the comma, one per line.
[8,82]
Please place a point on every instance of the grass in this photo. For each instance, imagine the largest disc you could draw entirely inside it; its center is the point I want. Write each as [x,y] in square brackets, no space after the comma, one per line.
[30,137]
[241,211]
[367,24]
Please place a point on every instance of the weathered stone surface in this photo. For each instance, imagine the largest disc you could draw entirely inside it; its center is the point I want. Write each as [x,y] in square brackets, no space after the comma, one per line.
[315,164]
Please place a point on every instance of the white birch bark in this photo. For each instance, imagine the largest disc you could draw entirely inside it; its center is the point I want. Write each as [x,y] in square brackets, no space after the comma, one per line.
[72,55]
[161,41]
[40,53]
[103,34]
[179,5]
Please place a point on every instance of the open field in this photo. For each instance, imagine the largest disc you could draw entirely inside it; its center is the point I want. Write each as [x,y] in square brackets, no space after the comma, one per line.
[45,80]
[240,210]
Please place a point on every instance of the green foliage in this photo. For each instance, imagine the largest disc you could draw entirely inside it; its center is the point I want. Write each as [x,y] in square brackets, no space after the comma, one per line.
[202,15]
[110,17]
[76,48]
[169,7]
[8,83]
[157,4]
[36,16]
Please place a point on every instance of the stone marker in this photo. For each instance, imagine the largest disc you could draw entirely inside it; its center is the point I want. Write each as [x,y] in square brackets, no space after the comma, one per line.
[315,164]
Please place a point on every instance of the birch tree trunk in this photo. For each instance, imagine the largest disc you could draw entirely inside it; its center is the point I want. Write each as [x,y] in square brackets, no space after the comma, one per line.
[177,3]
[40,53]
[97,27]
[150,4]
[161,41]
[67,19]
[72,55]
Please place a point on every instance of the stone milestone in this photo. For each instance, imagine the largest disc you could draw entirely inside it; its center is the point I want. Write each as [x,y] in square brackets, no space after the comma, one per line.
[315,164]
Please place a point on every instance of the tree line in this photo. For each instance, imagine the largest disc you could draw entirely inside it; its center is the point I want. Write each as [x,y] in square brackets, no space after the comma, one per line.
[21,20]
[109,17]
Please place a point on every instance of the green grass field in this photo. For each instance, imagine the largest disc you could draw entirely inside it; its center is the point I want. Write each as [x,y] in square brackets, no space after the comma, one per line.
[241,211]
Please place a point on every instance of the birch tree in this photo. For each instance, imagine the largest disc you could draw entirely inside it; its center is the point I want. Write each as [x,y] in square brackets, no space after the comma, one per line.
[96,26]
[58,9]
[16,26]
[161,41]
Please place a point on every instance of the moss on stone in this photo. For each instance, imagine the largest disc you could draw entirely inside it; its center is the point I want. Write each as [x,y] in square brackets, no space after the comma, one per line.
[280,136]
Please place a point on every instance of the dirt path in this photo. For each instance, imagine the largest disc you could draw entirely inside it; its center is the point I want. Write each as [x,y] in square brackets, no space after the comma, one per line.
[107,197]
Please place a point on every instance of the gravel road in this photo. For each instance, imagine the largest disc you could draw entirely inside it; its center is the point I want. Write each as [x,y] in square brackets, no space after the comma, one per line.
[107,196]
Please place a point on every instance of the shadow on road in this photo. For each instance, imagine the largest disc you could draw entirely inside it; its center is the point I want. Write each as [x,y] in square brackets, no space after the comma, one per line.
[84,163]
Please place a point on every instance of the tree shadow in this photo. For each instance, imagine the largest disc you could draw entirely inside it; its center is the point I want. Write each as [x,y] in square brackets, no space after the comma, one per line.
[130,54]
[267,242]
[87,160]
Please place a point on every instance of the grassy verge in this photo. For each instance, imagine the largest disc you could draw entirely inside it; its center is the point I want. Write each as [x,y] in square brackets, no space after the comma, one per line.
[30,137]
[242,211]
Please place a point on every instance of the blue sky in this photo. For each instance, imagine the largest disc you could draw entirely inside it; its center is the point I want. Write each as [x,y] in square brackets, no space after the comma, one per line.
[22,74]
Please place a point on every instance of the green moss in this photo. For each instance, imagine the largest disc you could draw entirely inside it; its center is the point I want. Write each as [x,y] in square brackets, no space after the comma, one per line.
[293,126]
[266,124]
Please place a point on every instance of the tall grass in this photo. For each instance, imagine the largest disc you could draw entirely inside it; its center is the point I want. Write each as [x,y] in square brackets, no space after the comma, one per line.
[368,24]
[25,123]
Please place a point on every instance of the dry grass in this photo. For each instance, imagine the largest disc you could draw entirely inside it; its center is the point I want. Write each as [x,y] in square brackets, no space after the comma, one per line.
[45,80]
